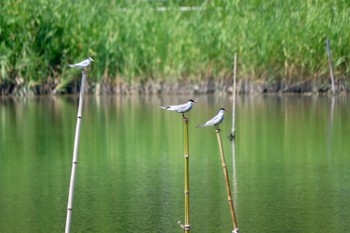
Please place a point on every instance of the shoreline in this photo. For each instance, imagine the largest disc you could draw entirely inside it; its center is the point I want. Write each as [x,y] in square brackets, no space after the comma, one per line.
[183,87]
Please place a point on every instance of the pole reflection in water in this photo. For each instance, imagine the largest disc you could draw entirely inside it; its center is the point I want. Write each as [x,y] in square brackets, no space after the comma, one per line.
[130,181]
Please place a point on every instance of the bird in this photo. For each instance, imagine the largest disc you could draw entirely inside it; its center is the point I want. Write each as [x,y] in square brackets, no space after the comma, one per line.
[182,108]
[82,64]
[216,120]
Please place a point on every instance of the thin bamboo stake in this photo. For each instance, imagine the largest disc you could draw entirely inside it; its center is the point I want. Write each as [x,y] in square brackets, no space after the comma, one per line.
[233,149]
[186,227]
[233,129]
[224,167]
[75,153]
[187,182]
[328,47]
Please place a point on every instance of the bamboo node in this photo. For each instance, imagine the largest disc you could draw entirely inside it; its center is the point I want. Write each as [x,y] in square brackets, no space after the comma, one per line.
[186,156]
[187,192]
[80,117]
[231,136]
[235,230]
[75,162]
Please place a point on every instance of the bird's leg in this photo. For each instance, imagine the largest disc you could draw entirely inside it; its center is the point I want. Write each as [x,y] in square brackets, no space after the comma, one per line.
[217,128]
[183,116]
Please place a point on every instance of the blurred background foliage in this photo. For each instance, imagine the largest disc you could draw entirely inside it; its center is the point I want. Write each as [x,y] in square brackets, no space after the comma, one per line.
[169,40]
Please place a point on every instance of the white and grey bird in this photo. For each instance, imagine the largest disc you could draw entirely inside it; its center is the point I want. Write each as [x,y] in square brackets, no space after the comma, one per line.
[82,64]
[216,120]
[182,108]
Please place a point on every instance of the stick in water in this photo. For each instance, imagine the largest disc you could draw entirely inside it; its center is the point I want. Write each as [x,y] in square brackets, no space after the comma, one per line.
[215,121]
[328,47]
[183,108]
[233,129]
[187,179]
[229,195]
[75,154]
[84,64]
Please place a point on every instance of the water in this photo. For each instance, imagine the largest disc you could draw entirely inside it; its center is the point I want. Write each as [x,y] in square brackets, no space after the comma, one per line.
[291,169]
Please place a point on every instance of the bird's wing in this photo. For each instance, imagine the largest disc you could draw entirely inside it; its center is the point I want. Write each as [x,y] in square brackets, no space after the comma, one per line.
[218,119]
[181,108]
[176,108]
[83,63]
[213,121]
[210,122]
[171,107]
[80,64]
[207,123]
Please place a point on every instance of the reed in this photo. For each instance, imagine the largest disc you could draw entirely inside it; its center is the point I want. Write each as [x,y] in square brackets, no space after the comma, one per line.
[75,153]
[135,41]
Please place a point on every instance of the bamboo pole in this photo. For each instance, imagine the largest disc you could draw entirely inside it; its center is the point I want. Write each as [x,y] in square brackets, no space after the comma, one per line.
[232,135]
[186,227]
[233,149]
[75,153]
[229,196]
[328,47]
[187,182]
[233,129]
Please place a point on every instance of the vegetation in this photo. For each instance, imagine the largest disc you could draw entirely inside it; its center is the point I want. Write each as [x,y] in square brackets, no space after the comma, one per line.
[155,39]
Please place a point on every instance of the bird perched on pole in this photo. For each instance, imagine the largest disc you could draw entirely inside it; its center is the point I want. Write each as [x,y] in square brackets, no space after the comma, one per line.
[82,64]
[215,121]
[182,108]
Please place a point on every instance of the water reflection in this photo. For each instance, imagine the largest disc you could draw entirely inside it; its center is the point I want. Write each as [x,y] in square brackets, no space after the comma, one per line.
[290,170]
[330,126]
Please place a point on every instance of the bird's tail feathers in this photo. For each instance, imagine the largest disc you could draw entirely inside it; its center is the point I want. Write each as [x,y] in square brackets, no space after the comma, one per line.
[201,126]
[164,107]
[70,65]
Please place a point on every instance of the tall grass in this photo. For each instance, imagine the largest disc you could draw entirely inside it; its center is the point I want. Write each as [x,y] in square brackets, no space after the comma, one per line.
[131,40]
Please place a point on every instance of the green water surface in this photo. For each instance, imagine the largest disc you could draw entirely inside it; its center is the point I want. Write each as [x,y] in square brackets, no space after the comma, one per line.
[291,170]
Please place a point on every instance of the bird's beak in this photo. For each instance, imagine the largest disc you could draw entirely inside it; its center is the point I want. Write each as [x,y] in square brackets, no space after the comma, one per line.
[92,60]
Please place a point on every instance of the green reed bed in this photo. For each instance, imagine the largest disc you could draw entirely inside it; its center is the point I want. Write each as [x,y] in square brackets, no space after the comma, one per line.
[137,40]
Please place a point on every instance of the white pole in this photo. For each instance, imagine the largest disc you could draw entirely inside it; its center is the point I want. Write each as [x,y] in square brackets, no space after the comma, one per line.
[329,53]
[233,129]
[75,153]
